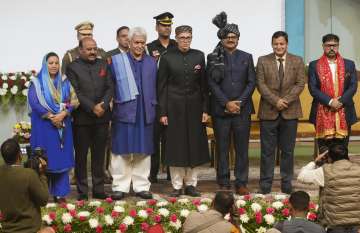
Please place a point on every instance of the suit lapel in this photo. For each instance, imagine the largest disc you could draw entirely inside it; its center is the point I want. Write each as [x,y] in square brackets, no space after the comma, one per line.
[288,66]
[274,67]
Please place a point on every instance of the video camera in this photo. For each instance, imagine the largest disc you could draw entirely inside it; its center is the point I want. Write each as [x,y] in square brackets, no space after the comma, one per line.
[33,158]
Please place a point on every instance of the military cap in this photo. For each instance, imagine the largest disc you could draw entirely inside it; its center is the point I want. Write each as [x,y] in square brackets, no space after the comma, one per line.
[164,18]
[85,27]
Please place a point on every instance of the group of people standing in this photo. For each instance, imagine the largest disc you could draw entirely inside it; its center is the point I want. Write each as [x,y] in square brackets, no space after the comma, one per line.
[164,91]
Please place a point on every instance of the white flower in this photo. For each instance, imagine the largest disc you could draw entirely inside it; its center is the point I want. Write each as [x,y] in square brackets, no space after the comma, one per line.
[269,219]
[46,218]
[66,218]
[14,90]
[206,200]
[277,205]
[240,203]
[143,214]
[25,92]
[202,208]
[108,220]
[244,218]
[280,197]
[121,202]
[256,207]
[95,203]
[70,206]
[128,220]
[259,195]
[261,230]
[117,231]
[183,200]
[23,77]
[164,212]
[13,77]
[227,217]
[50,205]
[176,224]
[184,213]
[3,91]
[162,203]
[93,223]
[4,77]
[27,84]
[84,214]
[119,209]
[141,203]
[5,86]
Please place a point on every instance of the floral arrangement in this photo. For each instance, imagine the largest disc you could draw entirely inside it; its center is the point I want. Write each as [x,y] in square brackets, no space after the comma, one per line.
[21,131]
[14,87]
[253,214]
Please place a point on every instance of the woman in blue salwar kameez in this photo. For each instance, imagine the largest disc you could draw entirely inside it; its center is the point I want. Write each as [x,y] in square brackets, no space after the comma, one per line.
[51,100]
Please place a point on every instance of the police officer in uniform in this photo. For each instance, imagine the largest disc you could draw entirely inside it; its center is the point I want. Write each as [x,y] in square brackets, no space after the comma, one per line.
[155,49]
[84,29]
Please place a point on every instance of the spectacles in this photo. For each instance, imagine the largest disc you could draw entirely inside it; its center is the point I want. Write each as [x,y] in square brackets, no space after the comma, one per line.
[183,38]
[331,45]
[231,38]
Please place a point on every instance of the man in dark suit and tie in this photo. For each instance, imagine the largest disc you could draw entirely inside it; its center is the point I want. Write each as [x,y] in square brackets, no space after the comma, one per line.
[280,80]
[332,110]
[94,88]
[232,84]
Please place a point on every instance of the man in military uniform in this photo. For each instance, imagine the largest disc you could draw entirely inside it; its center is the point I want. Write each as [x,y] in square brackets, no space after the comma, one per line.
[155,49]
[122,37]
[84,29]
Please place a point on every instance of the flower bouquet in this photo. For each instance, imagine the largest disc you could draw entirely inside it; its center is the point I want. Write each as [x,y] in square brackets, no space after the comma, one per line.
[21,131]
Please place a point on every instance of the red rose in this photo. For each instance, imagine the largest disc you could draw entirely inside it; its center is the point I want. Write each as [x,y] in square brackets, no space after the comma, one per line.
[99,229]
[285,212]
[80,203]
[173,218]
[151,202]
[72,213]
[172,199]
[196,202]
[109,200]
[270,210]
[122,227]
[144,226]
[132,213]
[52,215]
[247,197]
[100,210]
[286,201]
[157,218]
[258,217]
[241,211]
[82,218]
[312,206]
[67,228]
[114,214]
[102,72]
[149,210]
[312,216]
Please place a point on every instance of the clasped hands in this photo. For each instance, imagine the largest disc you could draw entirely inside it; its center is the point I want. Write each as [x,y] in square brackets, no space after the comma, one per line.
[57,119]
[282,104]
[335,104]
[164,119]
[98,109]
[233,107]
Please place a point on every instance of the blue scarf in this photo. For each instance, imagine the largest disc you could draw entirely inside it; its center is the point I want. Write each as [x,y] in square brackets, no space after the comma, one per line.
[126,89]
[51,93]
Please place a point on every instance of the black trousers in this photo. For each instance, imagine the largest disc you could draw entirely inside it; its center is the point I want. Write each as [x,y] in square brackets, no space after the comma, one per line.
[93,137]
[327,142]
[155,158]
[239,127]
[277,133]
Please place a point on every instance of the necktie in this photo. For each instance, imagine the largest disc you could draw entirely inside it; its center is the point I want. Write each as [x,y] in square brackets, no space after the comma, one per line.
[281,70]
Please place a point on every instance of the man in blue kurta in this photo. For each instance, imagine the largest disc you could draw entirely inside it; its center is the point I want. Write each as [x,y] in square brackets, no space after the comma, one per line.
[133,117]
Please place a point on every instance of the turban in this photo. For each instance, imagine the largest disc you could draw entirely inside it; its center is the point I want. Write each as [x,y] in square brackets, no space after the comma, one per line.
[225,28]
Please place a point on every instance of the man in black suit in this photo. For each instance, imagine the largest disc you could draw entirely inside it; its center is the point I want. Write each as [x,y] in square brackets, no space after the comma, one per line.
[231,78]
[332,110]
[122,37]
[94,88]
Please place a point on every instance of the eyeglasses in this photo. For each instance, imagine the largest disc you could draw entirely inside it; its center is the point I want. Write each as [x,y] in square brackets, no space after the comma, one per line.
[331,45]
[183,38]
[231,38]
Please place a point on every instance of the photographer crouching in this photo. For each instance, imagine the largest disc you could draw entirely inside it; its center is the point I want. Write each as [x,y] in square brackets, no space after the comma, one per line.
[339,197]
[22,191]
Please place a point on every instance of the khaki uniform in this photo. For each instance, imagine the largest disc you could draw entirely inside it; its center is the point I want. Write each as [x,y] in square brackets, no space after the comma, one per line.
[73,54]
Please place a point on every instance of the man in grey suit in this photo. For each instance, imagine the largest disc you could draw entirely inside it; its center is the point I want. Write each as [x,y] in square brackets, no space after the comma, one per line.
[280,80]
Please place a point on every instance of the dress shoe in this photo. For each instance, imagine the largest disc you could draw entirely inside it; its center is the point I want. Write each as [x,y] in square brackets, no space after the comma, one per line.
[176,193]
[191,191]
[153,179]
[101,196]
[59,200]
[242,190]
[144,194]
[117,195]
[82,197]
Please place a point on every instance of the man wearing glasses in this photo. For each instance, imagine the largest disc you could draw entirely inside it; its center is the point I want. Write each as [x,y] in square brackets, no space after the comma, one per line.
[332,83]
[232,85]
[183,98]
